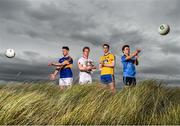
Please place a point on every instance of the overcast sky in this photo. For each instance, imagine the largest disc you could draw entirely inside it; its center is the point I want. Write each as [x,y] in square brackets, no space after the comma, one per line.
[37,29]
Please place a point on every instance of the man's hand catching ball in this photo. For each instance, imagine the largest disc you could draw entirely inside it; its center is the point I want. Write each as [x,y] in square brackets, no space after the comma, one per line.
[138,51]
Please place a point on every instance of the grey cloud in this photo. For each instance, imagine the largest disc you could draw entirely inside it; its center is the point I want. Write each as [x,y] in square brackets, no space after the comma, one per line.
[47,22]
[19,69]
[31,54]
[12,9]
[90,38]
[28,71]
[45,12]
[170,48]
[13,5]
[87,22]
[168,66]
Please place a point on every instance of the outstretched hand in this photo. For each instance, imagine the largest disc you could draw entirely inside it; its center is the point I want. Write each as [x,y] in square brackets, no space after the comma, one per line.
[138,50]
[50,64]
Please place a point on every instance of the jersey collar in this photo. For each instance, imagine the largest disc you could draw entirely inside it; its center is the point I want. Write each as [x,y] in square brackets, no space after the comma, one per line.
[66,56]
[85,57]
[107,54]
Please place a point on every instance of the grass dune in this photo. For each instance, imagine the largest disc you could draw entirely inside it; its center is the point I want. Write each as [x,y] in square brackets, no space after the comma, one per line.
[148,103]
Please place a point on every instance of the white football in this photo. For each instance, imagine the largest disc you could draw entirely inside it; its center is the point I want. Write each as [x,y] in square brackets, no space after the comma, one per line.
[10,53]
[164,29]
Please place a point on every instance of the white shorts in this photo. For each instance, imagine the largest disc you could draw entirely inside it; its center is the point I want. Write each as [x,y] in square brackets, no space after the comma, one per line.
[85,80]
[65,81]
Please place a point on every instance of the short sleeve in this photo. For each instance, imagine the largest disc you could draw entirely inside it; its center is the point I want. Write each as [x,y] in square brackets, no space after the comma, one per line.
[123,58]
[61,60]
[111,58]
[70,60]
[80,61]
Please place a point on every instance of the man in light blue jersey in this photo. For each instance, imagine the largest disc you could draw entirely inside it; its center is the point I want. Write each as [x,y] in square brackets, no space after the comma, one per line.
[129,61]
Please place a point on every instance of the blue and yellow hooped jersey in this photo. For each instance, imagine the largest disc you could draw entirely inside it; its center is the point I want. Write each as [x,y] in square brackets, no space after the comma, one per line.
[66,71]
[107,59]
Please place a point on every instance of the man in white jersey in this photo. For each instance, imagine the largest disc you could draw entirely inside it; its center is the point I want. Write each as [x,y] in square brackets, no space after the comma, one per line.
[86,66]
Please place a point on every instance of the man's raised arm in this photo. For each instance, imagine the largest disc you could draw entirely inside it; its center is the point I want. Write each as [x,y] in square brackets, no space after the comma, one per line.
[133,54]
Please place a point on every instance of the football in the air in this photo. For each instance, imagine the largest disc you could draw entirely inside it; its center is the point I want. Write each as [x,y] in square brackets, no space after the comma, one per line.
[10,53]
[164,29]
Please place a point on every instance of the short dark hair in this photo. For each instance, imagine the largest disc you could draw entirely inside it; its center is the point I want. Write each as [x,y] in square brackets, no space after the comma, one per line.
[125,47]
[106,45]
[86,48]
[65,47]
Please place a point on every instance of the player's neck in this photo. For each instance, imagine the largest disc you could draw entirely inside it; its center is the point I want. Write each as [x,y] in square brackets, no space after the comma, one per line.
[127,54]
[86,57]
[106,53]
[66,55]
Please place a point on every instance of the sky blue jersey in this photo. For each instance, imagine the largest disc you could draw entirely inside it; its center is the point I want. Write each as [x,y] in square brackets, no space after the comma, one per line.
[129,69]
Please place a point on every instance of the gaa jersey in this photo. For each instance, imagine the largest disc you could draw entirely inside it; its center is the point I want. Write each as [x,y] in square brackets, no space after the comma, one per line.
[107,59]
[85,76]
[129,69]
[66,71]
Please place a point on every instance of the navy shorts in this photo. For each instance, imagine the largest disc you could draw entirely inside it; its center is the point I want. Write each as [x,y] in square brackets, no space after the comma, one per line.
[107,79]
[129,81]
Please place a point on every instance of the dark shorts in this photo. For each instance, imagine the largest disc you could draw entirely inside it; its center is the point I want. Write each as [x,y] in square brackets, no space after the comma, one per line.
[129,81]
[107,79]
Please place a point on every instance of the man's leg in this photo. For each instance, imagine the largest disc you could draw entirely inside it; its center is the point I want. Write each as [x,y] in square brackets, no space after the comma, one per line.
[90,80]
[134,81]
[62,88]
[126,82]
[61,83]
[129,81]
[69,82]
[112,85]
[108,82]
[103,82]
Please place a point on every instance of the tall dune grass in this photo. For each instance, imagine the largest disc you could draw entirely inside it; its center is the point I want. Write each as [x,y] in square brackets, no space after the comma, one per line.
[147,103]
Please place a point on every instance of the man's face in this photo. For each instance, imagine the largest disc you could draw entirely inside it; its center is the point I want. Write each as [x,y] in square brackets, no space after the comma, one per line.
[65,52]
[86,52]
[126,50]
[105,49]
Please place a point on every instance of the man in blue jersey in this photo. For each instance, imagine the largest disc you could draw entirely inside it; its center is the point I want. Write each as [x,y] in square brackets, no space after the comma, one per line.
[64,68]
[129,61]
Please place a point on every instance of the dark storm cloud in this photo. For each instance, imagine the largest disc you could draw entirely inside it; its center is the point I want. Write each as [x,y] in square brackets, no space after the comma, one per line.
[133,38]
[43,23]
[170,48]
[13,5]
[17,69]
[29,53]
[90,38]
[47,21]
[12,9]
[168,66]
[115,36]
[166,10]
[45,12]
[20,69]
